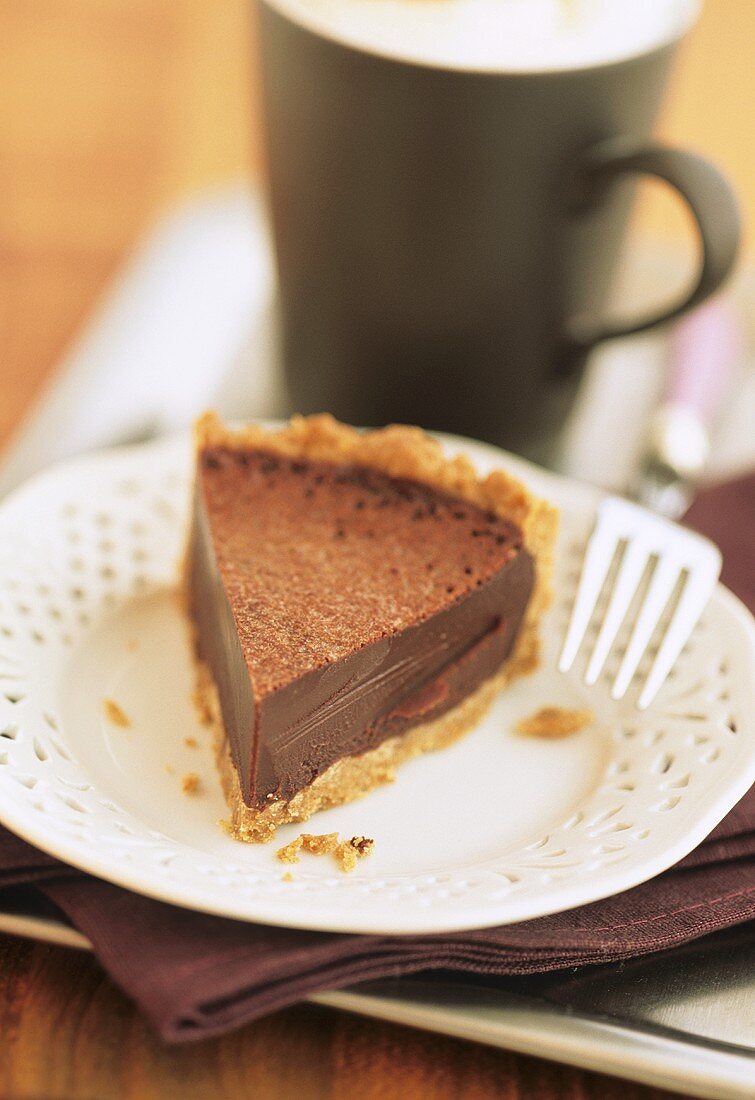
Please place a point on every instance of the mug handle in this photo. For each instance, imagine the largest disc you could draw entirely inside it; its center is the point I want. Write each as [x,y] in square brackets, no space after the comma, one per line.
[710,200]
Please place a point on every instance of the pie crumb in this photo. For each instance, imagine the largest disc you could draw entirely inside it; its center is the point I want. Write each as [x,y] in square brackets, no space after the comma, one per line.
[190,742]
[200,702]
[318,844]
[190,783]
[346,852]
[115,713]
[287,877]
[289,853]
[555,722]
[351,851]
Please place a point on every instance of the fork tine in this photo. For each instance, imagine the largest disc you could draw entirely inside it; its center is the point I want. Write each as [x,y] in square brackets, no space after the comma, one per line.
[632,567]
[598,558]
[695,595]
[662,584]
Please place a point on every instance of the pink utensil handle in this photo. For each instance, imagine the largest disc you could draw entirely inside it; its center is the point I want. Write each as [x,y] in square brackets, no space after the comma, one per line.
[705,350]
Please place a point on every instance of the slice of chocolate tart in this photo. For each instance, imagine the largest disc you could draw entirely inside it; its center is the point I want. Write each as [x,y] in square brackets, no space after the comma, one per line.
[356,599]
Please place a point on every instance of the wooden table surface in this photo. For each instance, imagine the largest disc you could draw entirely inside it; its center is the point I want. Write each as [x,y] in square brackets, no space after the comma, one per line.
[68,1034]
[111,113]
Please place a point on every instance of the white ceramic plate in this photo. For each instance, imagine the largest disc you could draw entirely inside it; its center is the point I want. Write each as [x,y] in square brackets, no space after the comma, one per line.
[498,828]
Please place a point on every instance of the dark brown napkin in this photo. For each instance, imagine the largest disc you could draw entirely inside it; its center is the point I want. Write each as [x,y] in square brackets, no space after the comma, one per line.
[195,975]
[726,514]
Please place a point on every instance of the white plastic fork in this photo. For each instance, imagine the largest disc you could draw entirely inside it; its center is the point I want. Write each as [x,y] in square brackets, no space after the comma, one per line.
[676,553]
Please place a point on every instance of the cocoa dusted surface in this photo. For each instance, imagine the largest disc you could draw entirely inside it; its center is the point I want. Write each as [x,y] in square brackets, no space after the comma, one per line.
[337,606]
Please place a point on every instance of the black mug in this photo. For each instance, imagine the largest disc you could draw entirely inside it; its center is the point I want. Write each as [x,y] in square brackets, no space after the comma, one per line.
[445,238]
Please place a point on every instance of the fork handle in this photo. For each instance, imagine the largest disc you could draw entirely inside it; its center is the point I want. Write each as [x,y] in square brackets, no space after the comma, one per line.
[705,349]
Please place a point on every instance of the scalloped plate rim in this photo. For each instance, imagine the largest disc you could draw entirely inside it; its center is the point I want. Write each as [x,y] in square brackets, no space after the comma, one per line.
[479,915]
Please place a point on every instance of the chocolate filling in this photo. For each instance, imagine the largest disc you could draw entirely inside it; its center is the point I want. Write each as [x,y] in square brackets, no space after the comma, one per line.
[336,607]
